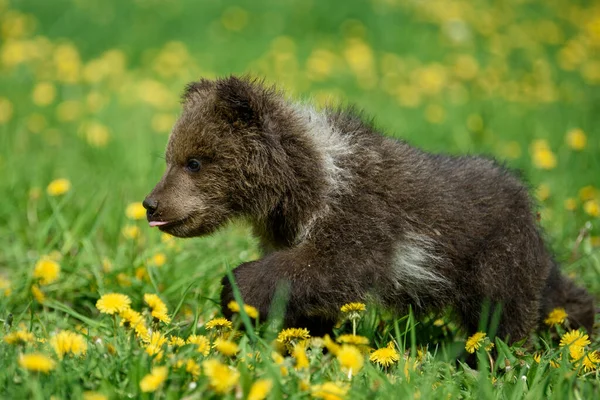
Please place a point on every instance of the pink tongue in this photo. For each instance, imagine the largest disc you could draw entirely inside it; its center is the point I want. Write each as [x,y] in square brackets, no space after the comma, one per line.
[157,223]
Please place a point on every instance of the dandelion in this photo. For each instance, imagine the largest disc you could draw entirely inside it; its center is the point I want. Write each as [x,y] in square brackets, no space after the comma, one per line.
[331,346]
[252,312]
[330,391]
[353,310]
[292,336]
[218,323]
[260,389]
[221,377]
[39,296]
[5,287]
[58,187]
[475,341]
[279,360]
[192,368]
[576,341]
[158,259]
[154,302]
[570,204]
[299,354]
[135,211]
[19,337]
[154,379]
[37,362]
[587,193]
[131,231]
[353,307]
[94,396]
[66,342]
[46,270]
[591,361]
[576,139]
[385,356]
[202,343]
[592,208]
[556,317]
[154,348]
[176,341]
[43,94]
[353,340]
[226,347]
[112,303]
[350,359]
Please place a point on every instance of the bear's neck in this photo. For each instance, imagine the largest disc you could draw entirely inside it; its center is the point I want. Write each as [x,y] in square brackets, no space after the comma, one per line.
[312,177]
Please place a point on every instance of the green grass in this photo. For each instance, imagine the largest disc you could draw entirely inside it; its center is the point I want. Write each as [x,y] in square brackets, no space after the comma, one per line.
[458,77]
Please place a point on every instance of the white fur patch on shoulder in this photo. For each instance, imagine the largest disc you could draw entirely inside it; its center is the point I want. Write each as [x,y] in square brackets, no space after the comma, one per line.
[415,266]
[332,146]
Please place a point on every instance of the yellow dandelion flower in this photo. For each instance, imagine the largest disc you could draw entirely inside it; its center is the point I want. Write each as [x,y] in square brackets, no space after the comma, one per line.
[592,208]
[135,211]
[155,345]
[353,307]
[218,323]
[94,396]
[46,270]
[570,204]
[43,94]
[5,287]
[6,110]
[226,347]
[475,341]
[152,381]
[330,391]
[39,296]
[235,307]
[131,231]
[260,389]
[67,342]
[19,337]
[350,358]
[537,357]
[587,193]
[279,360]
[111,303]
[58,187]
[591,361]
[37,362]
[544,159]
[355,340]
[293,335]
[202,343]
[154,302]
[299,354]
[576,139]
[176,341]
[556,317]
[192,368]
[221,377]
[385,356]
[576,341]
[158,259]
[161,315]
[331,346]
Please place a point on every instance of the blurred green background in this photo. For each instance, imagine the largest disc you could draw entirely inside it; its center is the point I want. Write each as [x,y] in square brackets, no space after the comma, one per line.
[89,90]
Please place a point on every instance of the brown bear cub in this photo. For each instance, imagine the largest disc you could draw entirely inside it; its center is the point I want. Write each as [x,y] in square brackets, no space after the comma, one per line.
[344,213]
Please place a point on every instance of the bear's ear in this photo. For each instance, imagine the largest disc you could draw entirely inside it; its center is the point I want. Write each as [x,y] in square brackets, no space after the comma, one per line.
[238,100]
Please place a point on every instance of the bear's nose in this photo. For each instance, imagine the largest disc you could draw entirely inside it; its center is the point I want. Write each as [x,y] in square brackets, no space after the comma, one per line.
[150,204]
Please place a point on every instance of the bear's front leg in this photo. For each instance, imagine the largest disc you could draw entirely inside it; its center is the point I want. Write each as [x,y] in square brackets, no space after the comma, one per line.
[313,290]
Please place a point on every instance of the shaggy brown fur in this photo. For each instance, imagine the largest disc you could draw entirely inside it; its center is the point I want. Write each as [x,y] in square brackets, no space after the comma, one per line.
[343,213]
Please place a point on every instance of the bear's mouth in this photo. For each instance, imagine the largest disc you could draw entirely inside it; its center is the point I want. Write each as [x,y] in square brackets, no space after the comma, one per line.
[164,225]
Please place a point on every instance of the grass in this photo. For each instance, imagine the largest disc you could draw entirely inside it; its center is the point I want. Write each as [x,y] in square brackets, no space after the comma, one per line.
[88,93]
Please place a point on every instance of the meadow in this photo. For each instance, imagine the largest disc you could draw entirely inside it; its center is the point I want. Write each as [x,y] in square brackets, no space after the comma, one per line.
[96,305]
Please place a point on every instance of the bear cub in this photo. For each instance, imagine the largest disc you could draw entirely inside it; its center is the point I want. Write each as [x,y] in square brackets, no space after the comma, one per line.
[343,213]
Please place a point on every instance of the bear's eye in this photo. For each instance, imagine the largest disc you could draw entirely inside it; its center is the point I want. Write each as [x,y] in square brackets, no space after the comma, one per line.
[193,165]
